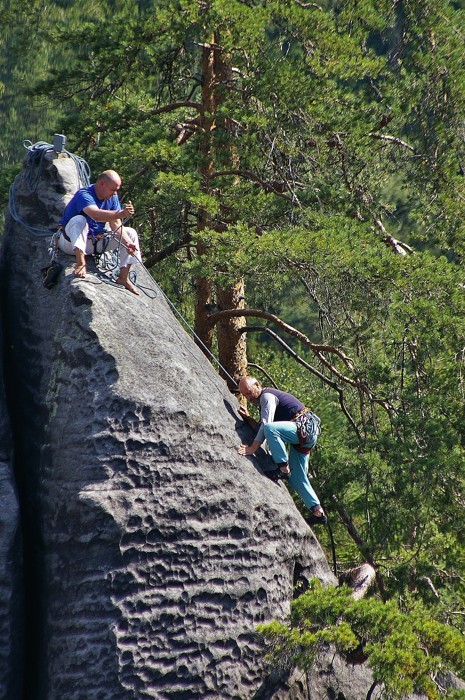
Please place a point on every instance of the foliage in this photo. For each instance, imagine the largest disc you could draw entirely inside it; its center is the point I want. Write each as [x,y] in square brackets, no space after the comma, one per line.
[336,128]
[406,647]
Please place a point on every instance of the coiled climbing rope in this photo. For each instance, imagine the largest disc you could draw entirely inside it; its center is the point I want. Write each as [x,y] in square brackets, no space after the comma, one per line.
[32,172]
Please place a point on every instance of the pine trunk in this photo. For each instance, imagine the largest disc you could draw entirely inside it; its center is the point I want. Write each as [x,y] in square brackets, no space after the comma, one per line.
[232,347]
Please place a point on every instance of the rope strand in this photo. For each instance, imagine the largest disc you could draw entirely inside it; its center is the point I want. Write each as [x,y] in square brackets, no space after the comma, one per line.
[176,311]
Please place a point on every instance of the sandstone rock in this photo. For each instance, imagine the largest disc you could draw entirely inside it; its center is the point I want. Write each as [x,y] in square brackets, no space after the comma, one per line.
[152,549]
[11,603]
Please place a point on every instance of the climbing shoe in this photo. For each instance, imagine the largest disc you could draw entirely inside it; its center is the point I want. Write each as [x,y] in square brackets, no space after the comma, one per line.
[50,274]
[277,475]
[313,519]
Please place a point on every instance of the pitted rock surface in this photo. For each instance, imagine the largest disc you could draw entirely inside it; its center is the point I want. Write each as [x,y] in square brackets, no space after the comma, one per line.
[152,549]
[11,603]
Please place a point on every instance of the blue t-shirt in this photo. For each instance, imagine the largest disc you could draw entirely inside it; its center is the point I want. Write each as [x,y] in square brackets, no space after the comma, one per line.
[86,197]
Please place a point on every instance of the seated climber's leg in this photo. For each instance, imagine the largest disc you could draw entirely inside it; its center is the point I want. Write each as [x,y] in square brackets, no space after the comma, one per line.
[73,240]
[126,259]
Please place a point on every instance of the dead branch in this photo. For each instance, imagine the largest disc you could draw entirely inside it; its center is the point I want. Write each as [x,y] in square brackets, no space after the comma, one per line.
[168,250]
[391,139]
[263,371]
[306,5]
[337,142]
[397,246]
[361,544]
[268,186]
[430,585]
[311,369]
[172,107]
[364,197]
[317,348]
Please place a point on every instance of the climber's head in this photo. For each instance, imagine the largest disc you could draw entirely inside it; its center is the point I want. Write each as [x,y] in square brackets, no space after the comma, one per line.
[250,388]
[107,184]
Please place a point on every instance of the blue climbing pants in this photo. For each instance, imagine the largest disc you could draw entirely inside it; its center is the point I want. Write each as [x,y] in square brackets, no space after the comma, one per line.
[278,435]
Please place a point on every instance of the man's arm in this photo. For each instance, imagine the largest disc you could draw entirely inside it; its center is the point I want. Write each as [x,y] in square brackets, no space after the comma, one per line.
[243,412]
[268,405]
[112,216]
[118,228]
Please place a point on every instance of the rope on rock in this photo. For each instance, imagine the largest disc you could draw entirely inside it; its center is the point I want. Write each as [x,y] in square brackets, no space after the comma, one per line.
[33,168]
[194,334]
[177,313]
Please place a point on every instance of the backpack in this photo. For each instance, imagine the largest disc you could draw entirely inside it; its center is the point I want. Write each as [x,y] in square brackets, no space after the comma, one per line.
[308,427]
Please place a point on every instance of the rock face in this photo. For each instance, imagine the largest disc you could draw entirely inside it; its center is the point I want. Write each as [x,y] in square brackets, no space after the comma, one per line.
[151,548]
[11,603]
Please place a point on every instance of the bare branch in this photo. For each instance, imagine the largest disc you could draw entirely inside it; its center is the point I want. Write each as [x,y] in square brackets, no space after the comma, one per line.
[398,246]
[167,251]
[391,139]
[305,5]
[429,583]
[251,176]
[361,544]
[262,370]
[173,106]
[365,198]
[317,348]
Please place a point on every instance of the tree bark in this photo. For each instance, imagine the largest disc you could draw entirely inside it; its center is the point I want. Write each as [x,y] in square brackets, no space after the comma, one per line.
[232,345]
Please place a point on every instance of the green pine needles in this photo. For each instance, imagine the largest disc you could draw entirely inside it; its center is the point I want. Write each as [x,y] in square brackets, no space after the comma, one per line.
[407,649]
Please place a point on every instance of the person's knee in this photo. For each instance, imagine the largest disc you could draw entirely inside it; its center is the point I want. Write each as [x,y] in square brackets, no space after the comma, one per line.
[268,430]
[77,227]
[132,233]
[77,222]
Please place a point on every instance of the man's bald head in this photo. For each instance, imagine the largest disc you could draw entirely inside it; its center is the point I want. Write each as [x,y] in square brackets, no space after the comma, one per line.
[250,388]
[110,176]
[107,184]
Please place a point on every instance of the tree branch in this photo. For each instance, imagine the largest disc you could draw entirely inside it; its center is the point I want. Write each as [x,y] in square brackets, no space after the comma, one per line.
[311,369]
[398,246]
[361,544]
[316,348]
[260,368]
[172,107]
[391,139]
[167,251]
[305,5]
[365,198]
[251,176]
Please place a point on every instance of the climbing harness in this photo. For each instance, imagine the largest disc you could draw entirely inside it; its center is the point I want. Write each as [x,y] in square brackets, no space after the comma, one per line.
[51,273]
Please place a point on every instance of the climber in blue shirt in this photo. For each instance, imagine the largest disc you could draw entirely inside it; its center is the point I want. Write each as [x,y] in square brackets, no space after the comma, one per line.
[91,214]
[279,412]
